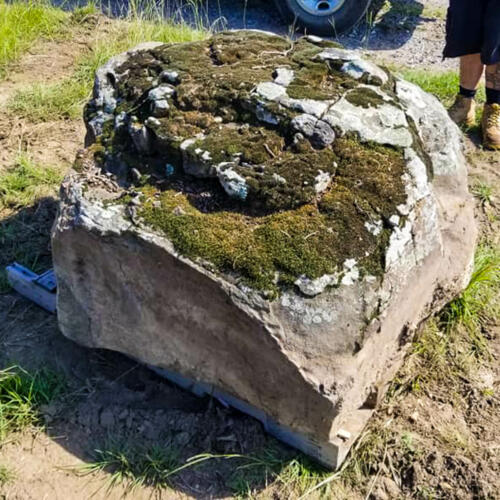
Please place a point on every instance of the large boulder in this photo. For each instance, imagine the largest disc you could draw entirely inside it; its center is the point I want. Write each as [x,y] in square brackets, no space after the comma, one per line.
[265,220]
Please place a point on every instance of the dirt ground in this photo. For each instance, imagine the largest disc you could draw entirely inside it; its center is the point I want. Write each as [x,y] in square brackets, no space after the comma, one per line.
[113,399]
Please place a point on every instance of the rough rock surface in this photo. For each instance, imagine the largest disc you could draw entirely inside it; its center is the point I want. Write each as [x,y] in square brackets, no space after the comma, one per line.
[273,218]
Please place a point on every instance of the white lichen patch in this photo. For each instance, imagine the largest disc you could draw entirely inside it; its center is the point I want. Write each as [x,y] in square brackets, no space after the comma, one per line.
[354,65]
[305,313]
[385,124]
[313,287]
[322,181]
[399,243]
[374,227]
[234,184]
[283,76]
[440,137]
[351,272]
[270,91]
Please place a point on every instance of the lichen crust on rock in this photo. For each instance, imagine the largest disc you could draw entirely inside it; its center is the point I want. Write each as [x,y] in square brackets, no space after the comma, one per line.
[318,200]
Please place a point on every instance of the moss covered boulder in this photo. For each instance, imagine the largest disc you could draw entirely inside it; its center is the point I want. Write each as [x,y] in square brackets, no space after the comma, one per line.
[266,220]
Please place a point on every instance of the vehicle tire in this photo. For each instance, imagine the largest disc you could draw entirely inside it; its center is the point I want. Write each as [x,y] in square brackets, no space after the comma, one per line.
[323,17]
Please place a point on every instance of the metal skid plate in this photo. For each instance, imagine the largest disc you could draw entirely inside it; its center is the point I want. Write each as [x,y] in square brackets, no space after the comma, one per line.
[39,288]
[328,454]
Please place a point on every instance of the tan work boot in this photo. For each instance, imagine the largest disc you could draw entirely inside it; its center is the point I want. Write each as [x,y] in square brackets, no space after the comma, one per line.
[491,126]
[463,111]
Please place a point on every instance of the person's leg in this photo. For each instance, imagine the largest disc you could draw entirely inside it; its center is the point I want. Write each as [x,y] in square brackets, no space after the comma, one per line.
[491,113]
[490,55]
[463,110]
[471,71]
[493,83]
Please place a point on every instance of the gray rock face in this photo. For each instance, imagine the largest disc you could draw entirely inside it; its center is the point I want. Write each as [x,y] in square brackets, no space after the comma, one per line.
[275,241]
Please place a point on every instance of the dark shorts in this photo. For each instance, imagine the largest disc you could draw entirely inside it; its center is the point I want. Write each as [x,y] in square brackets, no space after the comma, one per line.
[473,27]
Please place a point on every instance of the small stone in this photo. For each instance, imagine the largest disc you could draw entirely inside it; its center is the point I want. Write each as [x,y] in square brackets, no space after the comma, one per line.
[120,120]
[152,122]
[169,169]
[304,124]
[161,92]
[394,220]
[123,414]
[170,76]
[107,419]
[181,439]
[140,136]
[317,131]
[308,106]
[343,434]
[160,108]
[178,210]
[374,227]
[359,68]
[233,183]
[283,76]
[414,417]
[279,179]
[298,138]
[270,91]
[313,287]
[96,124]
[314,39]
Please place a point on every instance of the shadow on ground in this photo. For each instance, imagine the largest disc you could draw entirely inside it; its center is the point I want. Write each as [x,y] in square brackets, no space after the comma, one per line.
[120,416]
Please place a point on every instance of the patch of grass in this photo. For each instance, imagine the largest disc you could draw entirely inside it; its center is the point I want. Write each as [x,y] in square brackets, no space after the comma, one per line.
[434,12]
[21,23]
[65,99]
[289,478]
[132,465]
[22,394]
[483,192]
[80,15]
[27,183]
[135,465]
[406,8]
[480,301]
[6,475]
[58,101]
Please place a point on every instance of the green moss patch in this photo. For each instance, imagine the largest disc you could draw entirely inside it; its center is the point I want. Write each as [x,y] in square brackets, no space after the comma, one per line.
[365,98]
[270,252]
